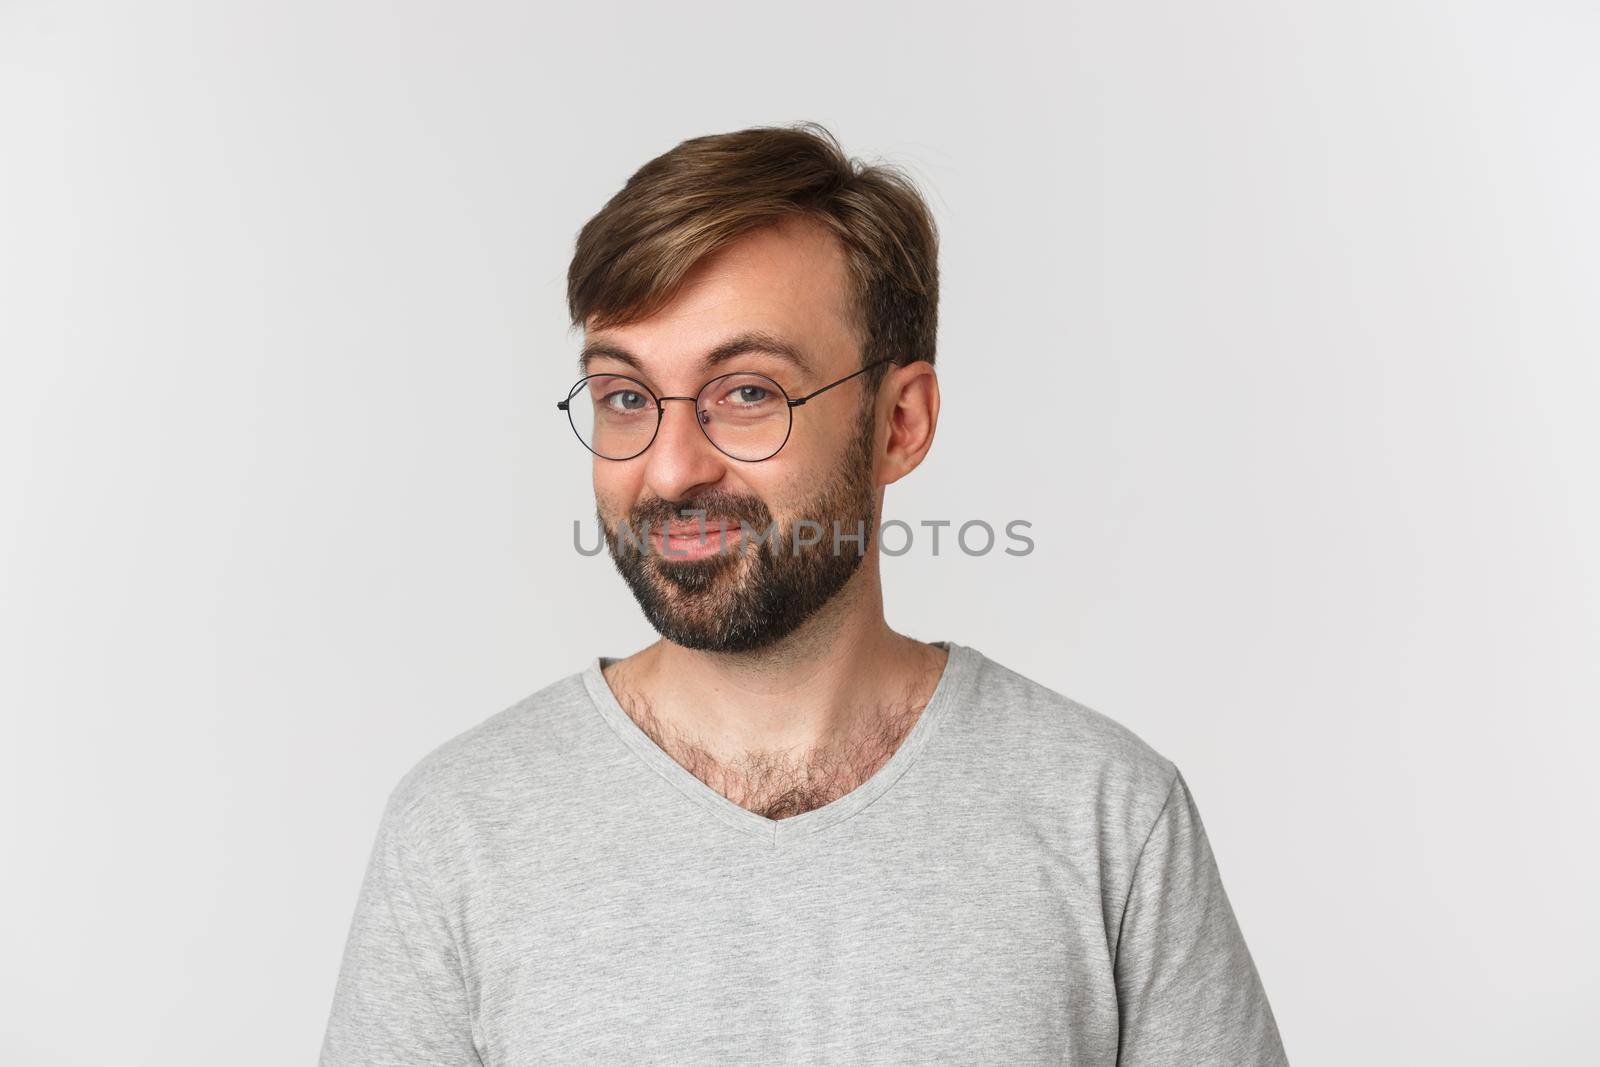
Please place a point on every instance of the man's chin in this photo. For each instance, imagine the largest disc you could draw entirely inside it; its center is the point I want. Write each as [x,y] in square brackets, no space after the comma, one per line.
[665,582]
[698,574]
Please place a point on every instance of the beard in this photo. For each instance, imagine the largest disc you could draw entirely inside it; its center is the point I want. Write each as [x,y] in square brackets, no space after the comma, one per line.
[749,594]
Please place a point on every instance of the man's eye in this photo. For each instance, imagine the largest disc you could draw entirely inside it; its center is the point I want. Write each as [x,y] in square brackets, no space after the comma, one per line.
[624,400]
[750,394]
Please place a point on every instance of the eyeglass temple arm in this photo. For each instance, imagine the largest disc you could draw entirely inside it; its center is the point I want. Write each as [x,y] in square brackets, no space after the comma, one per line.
[797,401]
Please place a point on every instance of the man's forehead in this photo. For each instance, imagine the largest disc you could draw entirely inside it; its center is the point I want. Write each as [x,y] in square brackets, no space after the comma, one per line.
[796,244]
[780,293]
[788,275]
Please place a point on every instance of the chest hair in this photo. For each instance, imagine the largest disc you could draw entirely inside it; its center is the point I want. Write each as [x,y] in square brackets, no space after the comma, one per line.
[780,785]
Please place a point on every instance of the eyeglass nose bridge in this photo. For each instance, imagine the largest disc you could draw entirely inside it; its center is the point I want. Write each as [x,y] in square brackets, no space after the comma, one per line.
[702,416]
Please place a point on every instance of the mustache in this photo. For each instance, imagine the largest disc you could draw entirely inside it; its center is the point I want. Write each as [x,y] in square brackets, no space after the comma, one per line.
[714,507]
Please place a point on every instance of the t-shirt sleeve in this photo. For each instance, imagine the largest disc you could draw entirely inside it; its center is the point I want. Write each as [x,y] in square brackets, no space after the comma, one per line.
[1188,991]
[401,995]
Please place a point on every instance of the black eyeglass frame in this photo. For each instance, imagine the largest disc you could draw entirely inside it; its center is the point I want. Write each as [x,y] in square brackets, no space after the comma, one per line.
[661,411]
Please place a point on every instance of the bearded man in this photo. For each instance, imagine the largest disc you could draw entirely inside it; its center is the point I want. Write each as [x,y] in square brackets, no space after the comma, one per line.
[783,832]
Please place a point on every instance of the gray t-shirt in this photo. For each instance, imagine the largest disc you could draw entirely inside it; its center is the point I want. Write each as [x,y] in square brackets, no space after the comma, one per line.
[1024,881]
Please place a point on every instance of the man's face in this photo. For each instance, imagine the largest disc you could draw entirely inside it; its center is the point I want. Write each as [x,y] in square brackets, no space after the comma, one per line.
[790,282]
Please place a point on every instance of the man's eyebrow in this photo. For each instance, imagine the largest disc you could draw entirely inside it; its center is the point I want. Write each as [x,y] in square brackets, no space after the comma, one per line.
[758,341]
[749,341]
[594,350]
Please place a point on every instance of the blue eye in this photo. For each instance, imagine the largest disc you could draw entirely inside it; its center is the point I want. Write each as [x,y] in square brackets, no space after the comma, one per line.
[625,400]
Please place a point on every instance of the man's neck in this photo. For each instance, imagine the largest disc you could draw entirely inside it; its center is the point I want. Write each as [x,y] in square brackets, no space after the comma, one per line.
[794,725]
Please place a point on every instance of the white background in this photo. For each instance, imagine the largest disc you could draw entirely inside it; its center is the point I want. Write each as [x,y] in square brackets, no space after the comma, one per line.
[1278,322]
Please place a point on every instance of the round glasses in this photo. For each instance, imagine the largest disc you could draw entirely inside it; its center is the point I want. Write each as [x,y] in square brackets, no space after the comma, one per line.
[745,416]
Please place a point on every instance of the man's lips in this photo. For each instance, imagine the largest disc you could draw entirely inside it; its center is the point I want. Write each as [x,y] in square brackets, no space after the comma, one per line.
[694,539]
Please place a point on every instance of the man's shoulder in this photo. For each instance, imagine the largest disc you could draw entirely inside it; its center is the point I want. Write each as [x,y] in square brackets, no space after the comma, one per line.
[1047,733]
[504,754]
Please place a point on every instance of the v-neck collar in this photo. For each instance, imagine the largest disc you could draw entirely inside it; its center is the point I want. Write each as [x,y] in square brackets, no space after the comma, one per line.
[959,667]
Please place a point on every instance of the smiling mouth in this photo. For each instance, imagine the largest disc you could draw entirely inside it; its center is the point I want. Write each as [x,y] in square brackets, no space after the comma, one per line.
[694,540]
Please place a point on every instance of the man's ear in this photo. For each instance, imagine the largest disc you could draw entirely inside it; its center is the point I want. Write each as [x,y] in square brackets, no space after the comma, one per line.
[910,395]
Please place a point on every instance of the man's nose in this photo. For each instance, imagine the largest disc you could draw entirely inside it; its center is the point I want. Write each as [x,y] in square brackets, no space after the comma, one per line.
[682,459]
